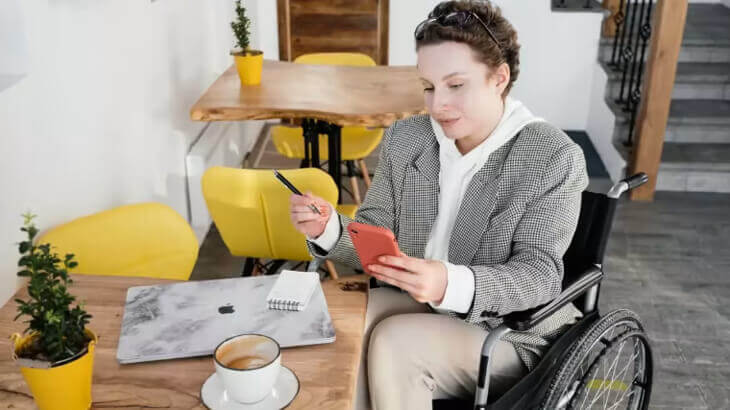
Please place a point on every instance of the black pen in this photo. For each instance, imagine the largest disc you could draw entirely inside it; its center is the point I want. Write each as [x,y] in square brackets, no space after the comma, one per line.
[294,189]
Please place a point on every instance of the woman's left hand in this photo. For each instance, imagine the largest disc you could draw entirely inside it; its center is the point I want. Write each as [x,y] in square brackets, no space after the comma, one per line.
[425,280]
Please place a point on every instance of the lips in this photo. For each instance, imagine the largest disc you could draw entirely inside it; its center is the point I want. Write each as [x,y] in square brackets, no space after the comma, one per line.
[447,122]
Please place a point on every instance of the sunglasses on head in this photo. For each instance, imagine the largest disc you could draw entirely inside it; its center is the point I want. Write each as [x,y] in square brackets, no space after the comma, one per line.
[459,19]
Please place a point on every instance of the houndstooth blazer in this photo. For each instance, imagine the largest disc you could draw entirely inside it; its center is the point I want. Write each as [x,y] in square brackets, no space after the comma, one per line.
[514,224]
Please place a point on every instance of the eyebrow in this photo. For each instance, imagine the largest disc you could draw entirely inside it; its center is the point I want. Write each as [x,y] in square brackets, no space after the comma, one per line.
[447,76]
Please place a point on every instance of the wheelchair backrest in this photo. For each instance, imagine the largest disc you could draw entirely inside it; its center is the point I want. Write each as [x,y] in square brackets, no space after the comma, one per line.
[591,235]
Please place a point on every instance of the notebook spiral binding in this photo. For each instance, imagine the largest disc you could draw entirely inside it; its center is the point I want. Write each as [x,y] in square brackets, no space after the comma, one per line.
[281,304]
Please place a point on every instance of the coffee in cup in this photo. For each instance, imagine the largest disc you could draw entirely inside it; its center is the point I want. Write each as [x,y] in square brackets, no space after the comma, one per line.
[247,362]
[248,366]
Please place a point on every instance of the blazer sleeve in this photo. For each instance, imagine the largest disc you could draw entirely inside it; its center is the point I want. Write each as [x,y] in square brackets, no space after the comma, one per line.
[533,274]
[378,208]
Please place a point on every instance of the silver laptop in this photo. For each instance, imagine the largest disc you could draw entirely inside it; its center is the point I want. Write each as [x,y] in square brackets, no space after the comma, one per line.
[190,319]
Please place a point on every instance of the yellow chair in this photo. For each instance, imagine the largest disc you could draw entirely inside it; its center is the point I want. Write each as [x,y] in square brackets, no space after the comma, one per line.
[357,142]
[250,208]
[147,239]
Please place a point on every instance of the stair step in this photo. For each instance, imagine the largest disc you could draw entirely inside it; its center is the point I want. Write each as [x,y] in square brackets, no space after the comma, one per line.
[695,167]
[690,121]
[693,81]
[691,167]
[706,35]
[696,157]
[707,52]
[693,181]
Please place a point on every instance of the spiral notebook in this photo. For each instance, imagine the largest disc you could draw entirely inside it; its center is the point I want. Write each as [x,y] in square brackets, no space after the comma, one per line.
[292,290]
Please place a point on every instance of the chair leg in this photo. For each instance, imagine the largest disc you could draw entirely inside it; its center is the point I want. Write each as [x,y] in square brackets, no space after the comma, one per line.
[365,173]
[331,269]
[355,190]
[256,267]
[248,267]
[275,266]
[352,173]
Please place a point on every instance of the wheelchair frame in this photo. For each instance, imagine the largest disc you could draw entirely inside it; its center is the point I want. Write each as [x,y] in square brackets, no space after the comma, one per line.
[586,284]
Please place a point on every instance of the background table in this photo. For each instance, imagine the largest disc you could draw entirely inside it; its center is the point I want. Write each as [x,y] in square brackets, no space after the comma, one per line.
[325,97]
[327,373]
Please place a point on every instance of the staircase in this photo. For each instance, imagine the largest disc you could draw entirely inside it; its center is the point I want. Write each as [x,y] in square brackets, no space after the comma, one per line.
[696,154]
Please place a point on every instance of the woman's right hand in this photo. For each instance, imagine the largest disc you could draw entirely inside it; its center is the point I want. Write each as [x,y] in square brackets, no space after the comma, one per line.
[304,219]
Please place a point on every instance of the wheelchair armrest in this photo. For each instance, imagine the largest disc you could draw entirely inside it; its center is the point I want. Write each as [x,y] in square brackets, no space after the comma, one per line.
[528,318]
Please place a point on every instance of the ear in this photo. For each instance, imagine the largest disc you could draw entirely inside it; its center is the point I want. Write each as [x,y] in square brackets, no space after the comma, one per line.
[501,77]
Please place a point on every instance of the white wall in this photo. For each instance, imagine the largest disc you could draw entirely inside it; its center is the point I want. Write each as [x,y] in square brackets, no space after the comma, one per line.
[13,44]
[97,113]
[601,123]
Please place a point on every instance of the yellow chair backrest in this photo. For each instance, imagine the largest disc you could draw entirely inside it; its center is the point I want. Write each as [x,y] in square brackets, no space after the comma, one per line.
[250,208]
[355,59]
[147,239]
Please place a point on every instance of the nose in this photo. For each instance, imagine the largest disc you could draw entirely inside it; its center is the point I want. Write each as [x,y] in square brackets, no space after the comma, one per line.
[441,101]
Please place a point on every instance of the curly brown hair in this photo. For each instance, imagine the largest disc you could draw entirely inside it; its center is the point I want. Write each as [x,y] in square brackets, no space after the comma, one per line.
[475,36]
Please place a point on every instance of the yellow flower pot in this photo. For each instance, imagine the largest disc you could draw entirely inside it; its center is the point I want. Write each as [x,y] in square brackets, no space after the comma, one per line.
[65,385]
[249,64]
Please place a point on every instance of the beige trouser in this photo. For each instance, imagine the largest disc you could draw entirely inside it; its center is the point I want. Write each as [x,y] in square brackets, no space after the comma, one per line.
[414,356]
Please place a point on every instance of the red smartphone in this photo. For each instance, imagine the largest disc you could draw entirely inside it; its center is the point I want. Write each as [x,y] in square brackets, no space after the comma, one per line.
[372,242]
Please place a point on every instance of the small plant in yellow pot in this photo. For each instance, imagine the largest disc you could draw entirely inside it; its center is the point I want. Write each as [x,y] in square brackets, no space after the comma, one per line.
[249,63]
[56,351]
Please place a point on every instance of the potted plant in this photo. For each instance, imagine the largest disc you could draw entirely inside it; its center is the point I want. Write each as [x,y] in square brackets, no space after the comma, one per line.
[249,63]
[56,351]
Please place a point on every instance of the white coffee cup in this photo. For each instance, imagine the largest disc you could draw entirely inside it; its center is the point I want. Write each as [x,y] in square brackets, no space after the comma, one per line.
[248,366]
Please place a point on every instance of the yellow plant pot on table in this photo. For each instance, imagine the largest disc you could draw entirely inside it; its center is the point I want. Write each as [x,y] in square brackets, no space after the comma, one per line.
[65,385]
[249,64]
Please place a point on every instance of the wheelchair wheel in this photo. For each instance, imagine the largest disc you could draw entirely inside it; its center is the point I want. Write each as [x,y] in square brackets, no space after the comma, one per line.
[607,367]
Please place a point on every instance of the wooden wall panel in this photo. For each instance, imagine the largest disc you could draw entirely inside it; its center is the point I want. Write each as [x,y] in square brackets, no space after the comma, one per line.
[337,7]
[309,26]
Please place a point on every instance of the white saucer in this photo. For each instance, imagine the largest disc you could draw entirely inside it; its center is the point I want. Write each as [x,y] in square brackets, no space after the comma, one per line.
[285,389]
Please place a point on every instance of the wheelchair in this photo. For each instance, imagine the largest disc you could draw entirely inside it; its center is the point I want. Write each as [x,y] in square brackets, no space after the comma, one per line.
[602,361]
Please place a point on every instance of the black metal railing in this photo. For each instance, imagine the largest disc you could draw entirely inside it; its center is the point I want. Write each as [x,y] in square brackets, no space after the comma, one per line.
[633,30]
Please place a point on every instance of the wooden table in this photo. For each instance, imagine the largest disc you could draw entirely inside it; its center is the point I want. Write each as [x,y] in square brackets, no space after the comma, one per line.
[327,373]
[325,97]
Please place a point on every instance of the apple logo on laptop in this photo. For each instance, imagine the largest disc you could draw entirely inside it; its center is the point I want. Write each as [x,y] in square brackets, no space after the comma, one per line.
[226,309]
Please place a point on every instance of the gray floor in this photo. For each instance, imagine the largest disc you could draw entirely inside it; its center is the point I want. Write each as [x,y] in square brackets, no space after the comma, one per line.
[668,260]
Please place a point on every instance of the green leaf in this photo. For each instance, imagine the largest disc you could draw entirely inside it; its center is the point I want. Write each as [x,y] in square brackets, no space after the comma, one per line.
[24,247]
[25,261]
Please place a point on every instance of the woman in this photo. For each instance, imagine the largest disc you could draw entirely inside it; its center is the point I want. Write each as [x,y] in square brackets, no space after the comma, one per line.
[483,198]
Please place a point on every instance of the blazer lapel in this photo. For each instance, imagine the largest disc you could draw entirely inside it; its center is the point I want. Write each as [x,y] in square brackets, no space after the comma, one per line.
[420,201]
[476,208]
